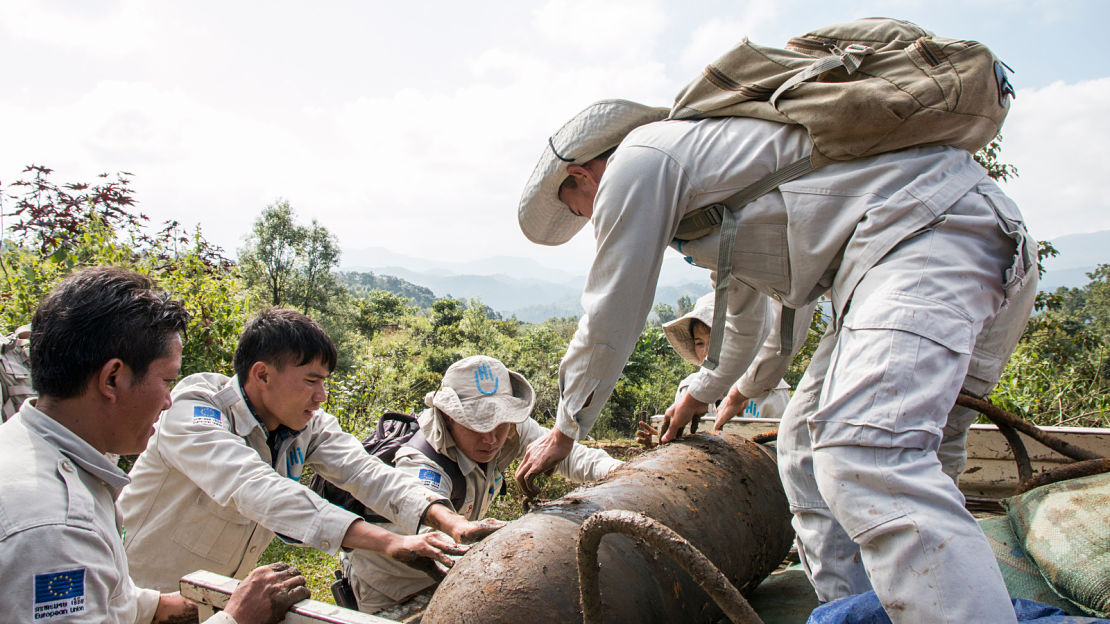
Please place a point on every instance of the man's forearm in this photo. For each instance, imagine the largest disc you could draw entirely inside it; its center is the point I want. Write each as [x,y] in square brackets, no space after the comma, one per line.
[441,518]
[362,535]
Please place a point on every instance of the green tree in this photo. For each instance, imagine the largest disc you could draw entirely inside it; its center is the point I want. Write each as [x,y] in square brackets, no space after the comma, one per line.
[269,260]
[446,315]
[59,228]
[685,305]
[664,313]
[317,258]
[379,309]
[989,156]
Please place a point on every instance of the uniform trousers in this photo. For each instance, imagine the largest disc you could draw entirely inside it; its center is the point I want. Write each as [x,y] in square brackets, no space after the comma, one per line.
[860,446]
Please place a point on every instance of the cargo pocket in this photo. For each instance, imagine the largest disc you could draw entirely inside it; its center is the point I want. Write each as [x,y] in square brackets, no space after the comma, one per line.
[212,532]
[1010,222]
[895,358]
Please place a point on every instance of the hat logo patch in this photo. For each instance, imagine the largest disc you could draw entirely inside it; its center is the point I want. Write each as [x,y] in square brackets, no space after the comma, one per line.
[485,373]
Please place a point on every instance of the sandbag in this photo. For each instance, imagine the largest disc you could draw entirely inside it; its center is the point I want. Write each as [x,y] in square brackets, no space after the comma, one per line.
[1023,579]
[1064,529]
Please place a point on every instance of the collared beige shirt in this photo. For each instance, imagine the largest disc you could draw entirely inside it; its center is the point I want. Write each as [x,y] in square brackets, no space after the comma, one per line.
[207,495]
[60,545]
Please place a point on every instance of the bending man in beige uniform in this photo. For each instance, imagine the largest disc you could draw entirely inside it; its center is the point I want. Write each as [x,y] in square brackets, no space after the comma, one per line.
[931,276]
[104,351]
[479,421]
[222,473]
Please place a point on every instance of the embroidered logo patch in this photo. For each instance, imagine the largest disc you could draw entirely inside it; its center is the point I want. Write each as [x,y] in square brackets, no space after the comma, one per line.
[59,594]
[204,415]
[430,478]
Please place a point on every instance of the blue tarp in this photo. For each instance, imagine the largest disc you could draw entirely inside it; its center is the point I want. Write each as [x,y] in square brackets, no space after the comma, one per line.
[865,609]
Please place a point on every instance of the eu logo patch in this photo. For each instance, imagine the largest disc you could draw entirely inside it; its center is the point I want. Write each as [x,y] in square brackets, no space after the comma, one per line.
[430,478]
[59,594]
[204,415]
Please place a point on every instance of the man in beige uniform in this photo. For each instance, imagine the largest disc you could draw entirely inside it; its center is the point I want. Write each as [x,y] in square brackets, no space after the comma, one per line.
[105,350]
[222,473]
[929,271]
[479,421]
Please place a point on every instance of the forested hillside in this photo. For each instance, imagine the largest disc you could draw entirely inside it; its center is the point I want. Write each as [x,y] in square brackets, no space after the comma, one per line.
[362,284]
[396,339]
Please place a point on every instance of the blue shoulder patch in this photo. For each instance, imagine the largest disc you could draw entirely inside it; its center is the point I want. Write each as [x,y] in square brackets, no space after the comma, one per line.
[59,593]
[205,415]
[430,478]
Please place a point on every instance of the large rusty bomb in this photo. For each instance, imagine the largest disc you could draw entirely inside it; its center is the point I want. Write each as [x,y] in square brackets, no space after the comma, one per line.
[720,493]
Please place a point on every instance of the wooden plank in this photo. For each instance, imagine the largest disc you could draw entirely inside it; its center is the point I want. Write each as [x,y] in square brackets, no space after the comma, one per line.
[211,592]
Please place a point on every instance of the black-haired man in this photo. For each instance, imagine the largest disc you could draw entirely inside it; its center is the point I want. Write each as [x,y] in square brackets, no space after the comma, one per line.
[222,473]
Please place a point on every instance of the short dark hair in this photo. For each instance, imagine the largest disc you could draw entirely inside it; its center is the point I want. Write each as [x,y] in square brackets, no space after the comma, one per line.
[278,336]
[94,315]
[695,323]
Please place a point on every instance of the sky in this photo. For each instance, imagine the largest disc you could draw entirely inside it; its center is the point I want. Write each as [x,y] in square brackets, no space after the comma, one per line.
[412,126]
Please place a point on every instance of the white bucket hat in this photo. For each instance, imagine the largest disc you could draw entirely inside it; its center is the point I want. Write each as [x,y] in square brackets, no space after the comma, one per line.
[679,332]
[479,393]
[602,126]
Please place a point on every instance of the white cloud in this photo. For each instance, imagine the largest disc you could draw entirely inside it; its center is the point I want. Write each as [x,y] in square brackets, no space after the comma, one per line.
[99,28]
[1058,139]
[393,151]
[716,35]
[610,29]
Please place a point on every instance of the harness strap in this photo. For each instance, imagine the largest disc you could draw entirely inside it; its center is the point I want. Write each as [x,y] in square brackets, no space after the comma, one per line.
[849,59]
[728,209]
[458,482]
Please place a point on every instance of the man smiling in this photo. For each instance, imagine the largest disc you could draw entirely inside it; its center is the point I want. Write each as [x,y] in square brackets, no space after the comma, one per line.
[221,474]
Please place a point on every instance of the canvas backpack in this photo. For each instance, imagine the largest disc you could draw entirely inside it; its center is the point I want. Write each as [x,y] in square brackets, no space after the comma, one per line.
[15,371]
[859,88]
[394,431]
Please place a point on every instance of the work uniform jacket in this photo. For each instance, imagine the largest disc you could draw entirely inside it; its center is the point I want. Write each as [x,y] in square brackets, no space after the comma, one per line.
[207,494]
[379,581]
[60,546]
[767,405]
[818,234]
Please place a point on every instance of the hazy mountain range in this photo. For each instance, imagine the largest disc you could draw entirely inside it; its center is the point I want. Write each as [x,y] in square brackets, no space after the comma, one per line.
[531,291]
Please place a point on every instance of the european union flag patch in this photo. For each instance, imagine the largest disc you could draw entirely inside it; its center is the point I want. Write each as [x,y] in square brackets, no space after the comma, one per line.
[59,594]
[430,478]
[204,415]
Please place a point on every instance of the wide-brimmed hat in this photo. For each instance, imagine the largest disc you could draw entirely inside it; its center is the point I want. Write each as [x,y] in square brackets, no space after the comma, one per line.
[479,393]
[543,218]
[679,332]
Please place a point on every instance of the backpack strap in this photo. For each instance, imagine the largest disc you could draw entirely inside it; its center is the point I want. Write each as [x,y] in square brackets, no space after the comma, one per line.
[849,59]
[458,482]
[726,212]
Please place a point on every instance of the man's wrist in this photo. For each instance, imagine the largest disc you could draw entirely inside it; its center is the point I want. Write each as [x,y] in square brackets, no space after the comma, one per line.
[565,430]
[440,517]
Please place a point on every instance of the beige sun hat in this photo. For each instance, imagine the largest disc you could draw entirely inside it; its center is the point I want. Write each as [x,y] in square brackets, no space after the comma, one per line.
[602,126]
[479,393]
[679,332]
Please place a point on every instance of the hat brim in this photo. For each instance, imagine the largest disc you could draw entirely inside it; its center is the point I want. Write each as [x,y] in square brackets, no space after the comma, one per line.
[682,339]
[680,334]
[602,126]
[486,413]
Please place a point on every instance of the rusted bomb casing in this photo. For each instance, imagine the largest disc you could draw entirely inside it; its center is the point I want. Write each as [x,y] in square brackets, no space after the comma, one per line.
[720,493]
